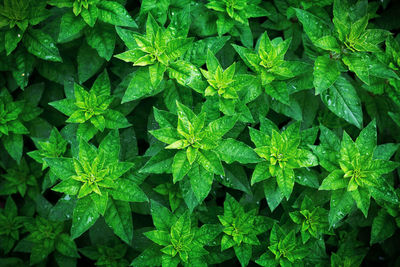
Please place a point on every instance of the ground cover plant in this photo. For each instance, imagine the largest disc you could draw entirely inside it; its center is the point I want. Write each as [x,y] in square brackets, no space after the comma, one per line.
[199,133]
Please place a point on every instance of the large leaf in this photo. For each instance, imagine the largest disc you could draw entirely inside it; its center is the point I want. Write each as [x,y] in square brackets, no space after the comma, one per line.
[232,150]
[326,72]
[70,28]
[114,13]
[159,163]
[342,99]
[41,45]
[84,216]
[118,216]
[383,227]
[140,86]
[89,62]
[102,38]
[341,204]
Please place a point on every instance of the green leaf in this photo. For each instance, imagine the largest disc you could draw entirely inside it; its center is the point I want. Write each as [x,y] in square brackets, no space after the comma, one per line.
[180,166]
[127,37]
[278,90]
[162,217]
[334,181]
[260,138]
[201,181]
[127,190]
[267,259]
[102,38]
[100,201]
[90,15]
[260,173]
[306,158]
[66,246]
[362,198]
[231,150]
[326,72]
[11,39]
[367,139]
[177,47]
[58,72]
[210,161]
[84,216]
[181,226]
[166,135]
[243,253]
[383,227]
[199,51]
[110,145]
[165,119]
[115,119]
[86,131]
[364,66]
[71,27]
[236,178]
[168,261]
[13,143]
[140,86]
[41,45]
[118,217]
[89,62]
[185,74]
[150,256]
[272,193]
[385,151]
[160,237]
[384,192]
[285,181]
[40,251]
[221,126]
[23,67]
[207,233]
[307,177]
[114,13]
[315,27]
[69,187]
[342,99]
[63,168]
[63,209]
[159,163]
[341,204]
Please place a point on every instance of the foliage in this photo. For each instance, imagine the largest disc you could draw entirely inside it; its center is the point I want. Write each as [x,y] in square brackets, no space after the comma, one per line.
[199,133]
